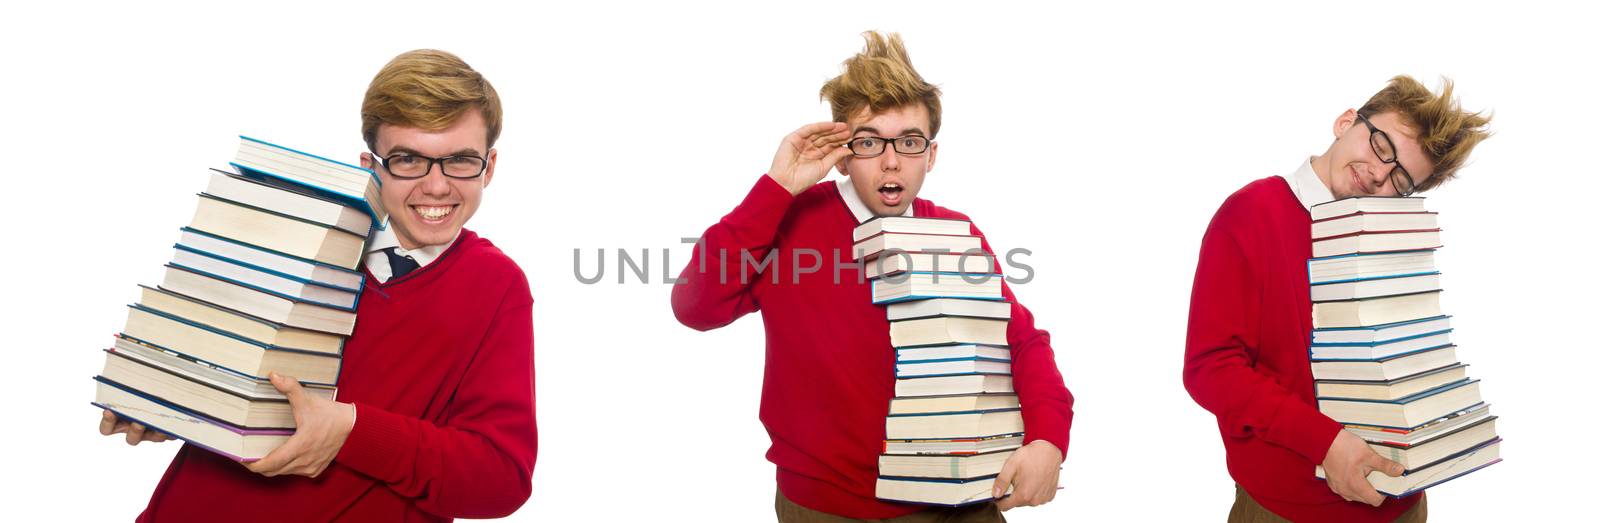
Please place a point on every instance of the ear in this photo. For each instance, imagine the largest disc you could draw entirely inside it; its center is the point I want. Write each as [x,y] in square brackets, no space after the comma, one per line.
[1343,122]
[843,166]
[368,162]
[933,154]
[488,171]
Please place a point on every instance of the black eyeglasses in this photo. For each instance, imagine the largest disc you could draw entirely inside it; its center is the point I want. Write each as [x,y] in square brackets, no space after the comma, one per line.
[1399,177]
[870,146]
[408,166]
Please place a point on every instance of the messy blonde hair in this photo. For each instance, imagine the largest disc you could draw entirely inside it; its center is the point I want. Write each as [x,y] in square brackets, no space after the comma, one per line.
[427,89]
[880,78]
[1446,132]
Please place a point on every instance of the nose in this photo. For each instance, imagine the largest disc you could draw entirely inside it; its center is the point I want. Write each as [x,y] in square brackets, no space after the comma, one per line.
[889,161]
[435,183]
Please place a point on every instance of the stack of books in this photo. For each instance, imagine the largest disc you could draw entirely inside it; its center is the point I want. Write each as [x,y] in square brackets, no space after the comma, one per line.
[262,280]
[954,418]
[1381,353]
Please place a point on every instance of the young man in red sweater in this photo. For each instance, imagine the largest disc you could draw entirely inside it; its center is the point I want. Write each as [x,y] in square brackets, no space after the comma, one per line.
[830,366]
[435,412]
[1250,314]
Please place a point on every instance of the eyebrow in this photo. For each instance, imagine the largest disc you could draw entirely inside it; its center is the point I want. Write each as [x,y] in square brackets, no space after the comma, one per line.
[399,149]
[909,131]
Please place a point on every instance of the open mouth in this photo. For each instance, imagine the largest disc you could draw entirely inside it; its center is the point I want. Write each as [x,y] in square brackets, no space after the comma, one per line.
[433,213]
[890,194]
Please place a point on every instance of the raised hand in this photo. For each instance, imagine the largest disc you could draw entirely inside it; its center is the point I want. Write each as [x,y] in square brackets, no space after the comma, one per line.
[1348,462]
[807,154]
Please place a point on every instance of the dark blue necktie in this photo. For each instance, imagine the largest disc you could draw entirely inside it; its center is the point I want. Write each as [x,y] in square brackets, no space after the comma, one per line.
[399,265]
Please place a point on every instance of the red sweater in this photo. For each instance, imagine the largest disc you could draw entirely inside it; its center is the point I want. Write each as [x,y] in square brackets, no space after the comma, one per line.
[1248,355]
[829,365]
[440,368]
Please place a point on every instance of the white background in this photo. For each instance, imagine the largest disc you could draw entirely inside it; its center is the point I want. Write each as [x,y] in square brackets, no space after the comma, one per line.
[1102,138]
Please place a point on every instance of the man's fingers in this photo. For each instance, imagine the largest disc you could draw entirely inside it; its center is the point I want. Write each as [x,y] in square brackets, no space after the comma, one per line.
[1005,504]
[1386,466]
[135,434]
[833,157]
[810,131]
[1008,471]
[108,423]
[289,386]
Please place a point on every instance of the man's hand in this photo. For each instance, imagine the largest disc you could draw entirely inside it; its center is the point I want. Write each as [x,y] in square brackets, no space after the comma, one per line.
[1347,465]
[321,426]
[111,423]
[807,154]
[1031,473]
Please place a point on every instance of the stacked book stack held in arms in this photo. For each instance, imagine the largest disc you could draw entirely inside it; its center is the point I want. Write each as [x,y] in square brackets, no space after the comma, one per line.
[262,280]
[954,418]
[1381,350]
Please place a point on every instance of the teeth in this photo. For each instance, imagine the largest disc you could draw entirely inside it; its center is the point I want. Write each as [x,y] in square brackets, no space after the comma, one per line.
[891,186]
[433,213]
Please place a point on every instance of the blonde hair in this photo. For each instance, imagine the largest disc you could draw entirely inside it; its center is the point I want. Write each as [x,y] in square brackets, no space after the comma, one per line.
[880,77]
[427,89]
[1446,132]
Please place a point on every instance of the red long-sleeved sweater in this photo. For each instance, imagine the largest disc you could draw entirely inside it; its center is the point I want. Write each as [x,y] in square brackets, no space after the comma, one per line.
[829,364]
[440,368]
[1248,358]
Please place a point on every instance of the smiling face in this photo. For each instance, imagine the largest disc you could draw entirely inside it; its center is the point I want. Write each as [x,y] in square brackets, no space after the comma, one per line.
[1351,166]
[887,183]
[432,209]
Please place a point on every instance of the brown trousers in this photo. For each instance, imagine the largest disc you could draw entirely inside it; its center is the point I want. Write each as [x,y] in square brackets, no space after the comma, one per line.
[789,512]
[1246,510]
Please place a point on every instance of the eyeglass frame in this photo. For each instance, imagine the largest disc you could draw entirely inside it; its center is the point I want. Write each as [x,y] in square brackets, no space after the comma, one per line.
[1390,178]
[927,143]
[384,161]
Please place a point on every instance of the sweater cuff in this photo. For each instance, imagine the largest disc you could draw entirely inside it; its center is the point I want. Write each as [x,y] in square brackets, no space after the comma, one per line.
[1048,428]
[1303,429]
[766,204]
[376,443]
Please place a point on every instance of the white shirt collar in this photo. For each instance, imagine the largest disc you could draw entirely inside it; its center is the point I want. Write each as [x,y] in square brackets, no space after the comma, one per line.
[1307,187]
[378,263]
[852,199]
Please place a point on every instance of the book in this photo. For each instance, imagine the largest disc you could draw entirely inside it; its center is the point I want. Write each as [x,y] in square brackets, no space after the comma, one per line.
[906,224]
[949,385]
[1374,287]
[1376,265]
[951,367]
[226,349]
[271,282]
[929,308]
[1414,481]
[952,446]
[954,466]
[945,352]
[1409,411]
[280,197]
[1374,311]
[1373,351]
[272,261]
[1392,389]
[903,262]
[1374,242]
[278,232]
[1382,333]
[233,442]
[957,403]
[255,302]
[211,374]
[1387,368]
[941,492]
[1364,221]
[1424,432]
[919,285]
[1436,449]
[1355,204]
[256,329]
[871,247]
[947,330]
[198,396]
[356,186]
[950,425]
